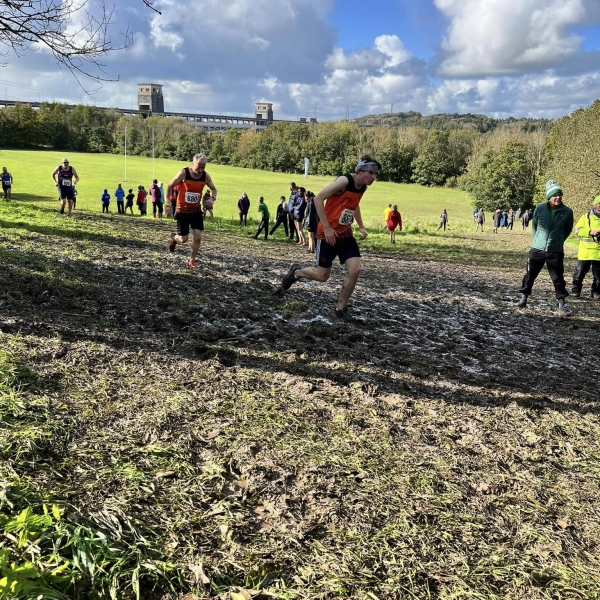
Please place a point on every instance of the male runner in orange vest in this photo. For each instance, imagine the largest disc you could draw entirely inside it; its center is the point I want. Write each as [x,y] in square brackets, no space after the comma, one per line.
[191,182]
[338,206]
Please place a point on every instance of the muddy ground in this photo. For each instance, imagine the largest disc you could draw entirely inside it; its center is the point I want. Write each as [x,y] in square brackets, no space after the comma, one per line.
[442,443]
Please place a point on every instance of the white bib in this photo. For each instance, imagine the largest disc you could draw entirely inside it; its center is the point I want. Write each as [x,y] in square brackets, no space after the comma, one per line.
[66,183]
[192,198]
[347,217]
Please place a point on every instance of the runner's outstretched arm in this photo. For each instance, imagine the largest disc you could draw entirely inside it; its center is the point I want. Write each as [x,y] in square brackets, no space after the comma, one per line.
[359,222]
[175,181]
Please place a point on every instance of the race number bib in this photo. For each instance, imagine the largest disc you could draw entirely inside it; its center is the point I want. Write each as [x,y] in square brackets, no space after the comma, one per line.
[347,217]
[66,183]
[192,198]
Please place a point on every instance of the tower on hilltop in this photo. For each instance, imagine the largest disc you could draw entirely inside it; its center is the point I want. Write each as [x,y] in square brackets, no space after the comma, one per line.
[150,98]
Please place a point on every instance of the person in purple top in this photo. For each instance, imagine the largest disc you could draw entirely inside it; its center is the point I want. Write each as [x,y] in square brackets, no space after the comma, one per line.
[156,197]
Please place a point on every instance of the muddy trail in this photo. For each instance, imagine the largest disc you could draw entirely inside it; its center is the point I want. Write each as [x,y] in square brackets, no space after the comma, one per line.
[441,443]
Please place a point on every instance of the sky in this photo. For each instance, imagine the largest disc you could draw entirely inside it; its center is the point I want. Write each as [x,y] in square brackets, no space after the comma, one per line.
[333,58]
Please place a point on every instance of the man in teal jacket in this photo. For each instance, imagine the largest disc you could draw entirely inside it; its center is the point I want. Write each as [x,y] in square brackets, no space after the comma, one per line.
[552,224]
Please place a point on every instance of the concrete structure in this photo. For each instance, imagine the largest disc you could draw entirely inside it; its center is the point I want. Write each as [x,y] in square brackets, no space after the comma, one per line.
[150,99]
[263,114]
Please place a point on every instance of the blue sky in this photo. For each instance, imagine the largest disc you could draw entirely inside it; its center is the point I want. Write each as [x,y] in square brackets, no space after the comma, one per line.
[537,58]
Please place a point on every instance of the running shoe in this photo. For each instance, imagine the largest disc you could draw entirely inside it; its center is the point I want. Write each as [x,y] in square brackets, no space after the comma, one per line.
[290,278]
[342,314]
[563,309]
[192,263]
[173,243]
[522,301]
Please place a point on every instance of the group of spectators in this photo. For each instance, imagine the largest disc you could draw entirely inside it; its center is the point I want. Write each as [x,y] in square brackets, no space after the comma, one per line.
[297,214]
[503,219]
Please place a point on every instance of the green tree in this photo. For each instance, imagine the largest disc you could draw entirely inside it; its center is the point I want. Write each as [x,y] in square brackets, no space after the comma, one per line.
[504,179]
[434,164]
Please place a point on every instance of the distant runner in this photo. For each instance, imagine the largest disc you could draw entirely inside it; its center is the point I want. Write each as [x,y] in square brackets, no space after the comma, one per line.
[191,182]
[7,181]
[67,178]
[338,206]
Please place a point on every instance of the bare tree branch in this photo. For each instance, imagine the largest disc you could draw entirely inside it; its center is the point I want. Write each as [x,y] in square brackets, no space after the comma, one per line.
[76,36]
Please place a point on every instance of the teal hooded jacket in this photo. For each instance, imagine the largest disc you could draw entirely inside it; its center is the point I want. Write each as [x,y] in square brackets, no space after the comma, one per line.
[549,237]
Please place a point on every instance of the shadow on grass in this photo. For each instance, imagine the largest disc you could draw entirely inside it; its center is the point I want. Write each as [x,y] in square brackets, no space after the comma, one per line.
[214,315]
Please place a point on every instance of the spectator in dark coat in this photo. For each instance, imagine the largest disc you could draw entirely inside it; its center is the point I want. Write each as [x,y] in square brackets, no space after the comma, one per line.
[243,208]
[299,210]
[291,204]
[311,220]
[497,219]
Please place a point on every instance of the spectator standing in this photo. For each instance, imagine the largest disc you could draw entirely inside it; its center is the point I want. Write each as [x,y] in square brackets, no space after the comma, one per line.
[510,219]
[130,198]
[291,203]
[552,225]
[394,221]
[311,222]
[443,220]
[525,219]
[497,219]
[7,182]
[503,219]
[243,205]
[282,216]
[173,199]
[480,220]
[299,210]
[475,217]
[74,197]
[518,215]
[141,200]
[264,218]
[207,204]
[588,253]
[120,197]
[105,198]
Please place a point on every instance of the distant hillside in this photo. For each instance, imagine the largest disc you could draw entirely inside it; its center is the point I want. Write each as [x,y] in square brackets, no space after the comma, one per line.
[447,121]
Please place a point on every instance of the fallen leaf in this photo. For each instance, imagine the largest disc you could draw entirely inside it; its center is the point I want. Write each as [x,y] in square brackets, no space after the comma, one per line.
[562,524]
[213,434]
[165,474]
[242,484]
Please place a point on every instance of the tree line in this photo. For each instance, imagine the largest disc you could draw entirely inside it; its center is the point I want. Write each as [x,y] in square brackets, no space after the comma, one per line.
[505,167]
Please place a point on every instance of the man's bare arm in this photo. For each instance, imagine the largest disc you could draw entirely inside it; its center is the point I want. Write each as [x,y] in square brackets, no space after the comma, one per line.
[76,176]
[339,185]
[359,222]
[54,174]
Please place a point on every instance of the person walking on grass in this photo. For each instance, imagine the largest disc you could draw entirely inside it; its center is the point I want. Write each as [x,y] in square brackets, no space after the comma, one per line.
[394,221]
[480,220]
[281,218]
[510,220]
[207,205]
[525,216]
[264,218]
[155,198]
[65,177]
[243,205]
[120,197]
[338,206]
[105,199]
[588,252]
[551,225]
[443,220]
[191,181]
[7,181]
[130,198]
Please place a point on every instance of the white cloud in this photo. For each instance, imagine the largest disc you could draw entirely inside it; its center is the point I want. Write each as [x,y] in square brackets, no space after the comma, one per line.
[502,37]
[393,48]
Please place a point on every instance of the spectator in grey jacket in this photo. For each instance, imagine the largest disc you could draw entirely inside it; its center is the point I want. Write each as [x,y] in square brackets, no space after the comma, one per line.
[552,224]
[480,219]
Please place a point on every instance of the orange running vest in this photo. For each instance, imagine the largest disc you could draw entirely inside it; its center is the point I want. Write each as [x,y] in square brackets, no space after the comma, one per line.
[189,195]
[339,210]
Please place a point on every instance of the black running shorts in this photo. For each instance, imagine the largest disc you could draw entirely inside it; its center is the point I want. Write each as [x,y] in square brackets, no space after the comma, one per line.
[344,249]
[66,192]
[185,221]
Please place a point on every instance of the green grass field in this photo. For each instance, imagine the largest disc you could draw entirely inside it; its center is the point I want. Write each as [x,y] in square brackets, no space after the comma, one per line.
[420,206]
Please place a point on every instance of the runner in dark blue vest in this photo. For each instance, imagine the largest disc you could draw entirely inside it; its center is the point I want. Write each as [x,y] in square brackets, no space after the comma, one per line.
[7,181]
[67,178]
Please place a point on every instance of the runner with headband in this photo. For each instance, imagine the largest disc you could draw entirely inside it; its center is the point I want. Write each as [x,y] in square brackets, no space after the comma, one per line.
[338,206]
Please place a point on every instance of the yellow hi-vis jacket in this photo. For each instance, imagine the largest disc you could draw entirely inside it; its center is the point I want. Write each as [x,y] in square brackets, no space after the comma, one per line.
[589,248]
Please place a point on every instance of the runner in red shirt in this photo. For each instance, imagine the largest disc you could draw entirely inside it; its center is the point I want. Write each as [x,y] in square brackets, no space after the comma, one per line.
[338,206]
